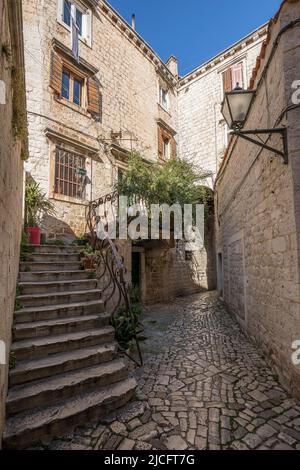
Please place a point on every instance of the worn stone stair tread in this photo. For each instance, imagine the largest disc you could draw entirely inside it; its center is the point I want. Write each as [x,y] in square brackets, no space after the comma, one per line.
[60,381]
[48,308]
[43,273]
[24,263]
[62,338]
[60,358]
[78,405]
[56,294]
[53,283]
[59,254]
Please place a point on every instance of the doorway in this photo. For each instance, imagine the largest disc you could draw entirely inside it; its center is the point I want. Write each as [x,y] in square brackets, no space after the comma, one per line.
[136,269]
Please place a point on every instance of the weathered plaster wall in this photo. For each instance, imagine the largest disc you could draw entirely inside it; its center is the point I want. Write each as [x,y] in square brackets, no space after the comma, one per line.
[11,182]
[257,213]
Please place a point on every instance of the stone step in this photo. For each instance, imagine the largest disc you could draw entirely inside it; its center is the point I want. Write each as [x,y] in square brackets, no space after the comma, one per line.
[32,266]
[58,298]
[28,396]
[34,348]
[37,369]
[55,249]
[57,286]
[58,326]
[55,420]
[57,276]
[52,257]
[59,311]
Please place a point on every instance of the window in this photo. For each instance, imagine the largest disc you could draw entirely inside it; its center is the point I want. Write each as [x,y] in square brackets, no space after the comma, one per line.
[232,76]
[166,152]
[71,87]
[164,98]
[74,84]
[70,174]
[167,146]
[69,9]
[67,13]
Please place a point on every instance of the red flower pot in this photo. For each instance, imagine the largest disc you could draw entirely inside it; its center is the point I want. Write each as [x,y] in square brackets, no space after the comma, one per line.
[34,235]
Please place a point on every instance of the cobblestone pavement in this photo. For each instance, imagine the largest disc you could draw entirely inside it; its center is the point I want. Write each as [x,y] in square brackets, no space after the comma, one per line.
[203,386]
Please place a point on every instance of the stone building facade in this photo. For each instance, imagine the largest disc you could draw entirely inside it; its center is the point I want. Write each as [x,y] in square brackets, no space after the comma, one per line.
[203,133]
[257,207]
[13,149]
[86,117]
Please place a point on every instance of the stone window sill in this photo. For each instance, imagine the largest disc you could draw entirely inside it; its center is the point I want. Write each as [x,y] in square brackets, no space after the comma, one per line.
[71,200]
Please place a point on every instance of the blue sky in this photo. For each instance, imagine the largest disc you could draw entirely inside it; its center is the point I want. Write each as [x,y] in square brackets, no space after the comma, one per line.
[195,30]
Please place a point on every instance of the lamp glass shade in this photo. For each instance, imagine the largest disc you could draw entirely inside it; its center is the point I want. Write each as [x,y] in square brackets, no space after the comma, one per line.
[236,107]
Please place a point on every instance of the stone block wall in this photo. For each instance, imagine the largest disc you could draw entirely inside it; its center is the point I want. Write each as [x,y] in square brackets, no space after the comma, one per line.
[11,179]
[129,73]
[201,127]
[257,210]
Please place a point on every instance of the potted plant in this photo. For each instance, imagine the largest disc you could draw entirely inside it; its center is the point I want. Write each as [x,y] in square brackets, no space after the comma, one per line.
[37,205]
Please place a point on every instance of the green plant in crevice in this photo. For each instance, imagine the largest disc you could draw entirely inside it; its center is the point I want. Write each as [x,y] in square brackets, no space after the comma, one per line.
[19,120]
[56,242]
[127,325]
[12,360]
[92,275]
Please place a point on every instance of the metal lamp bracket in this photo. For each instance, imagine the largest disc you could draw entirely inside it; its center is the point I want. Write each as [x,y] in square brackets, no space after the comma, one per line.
[282,131]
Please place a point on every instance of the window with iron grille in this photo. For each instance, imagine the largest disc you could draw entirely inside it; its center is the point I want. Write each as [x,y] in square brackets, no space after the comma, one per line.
[70,174]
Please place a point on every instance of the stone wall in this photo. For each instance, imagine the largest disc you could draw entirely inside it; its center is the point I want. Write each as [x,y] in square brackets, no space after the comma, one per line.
[129,73]
[258,210]
[201,127]
[11,177]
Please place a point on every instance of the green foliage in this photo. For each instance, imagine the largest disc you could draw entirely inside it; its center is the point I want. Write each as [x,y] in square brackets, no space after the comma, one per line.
[127,325]
[56,242]
[24,248]
[174,182]
[80,241]
[135,294]
[19,120]
[92,275]
[12,360]
[37,204]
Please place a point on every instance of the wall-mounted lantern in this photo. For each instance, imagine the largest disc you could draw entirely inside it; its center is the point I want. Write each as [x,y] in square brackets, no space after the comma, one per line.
[235,109]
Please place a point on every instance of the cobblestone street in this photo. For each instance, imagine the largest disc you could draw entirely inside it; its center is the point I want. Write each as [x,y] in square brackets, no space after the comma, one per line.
[203,386]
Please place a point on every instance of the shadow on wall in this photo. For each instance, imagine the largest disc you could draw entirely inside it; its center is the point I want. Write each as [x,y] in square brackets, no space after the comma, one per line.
[171,271]
[56,229]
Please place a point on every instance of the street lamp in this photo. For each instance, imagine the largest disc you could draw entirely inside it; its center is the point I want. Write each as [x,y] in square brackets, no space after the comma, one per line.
[235,109]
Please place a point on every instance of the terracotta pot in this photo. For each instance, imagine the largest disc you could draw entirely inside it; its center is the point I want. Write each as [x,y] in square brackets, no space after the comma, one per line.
[34,235]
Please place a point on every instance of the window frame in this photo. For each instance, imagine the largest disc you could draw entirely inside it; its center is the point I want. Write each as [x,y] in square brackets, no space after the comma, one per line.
[167,148]
[166,91]
[61,195]
[83,92]
[86,36]
[230,67]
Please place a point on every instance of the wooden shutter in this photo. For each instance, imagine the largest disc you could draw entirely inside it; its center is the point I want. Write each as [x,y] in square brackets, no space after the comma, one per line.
[173,148]
[56,73]
[160,142]
[94,97]
[227,80]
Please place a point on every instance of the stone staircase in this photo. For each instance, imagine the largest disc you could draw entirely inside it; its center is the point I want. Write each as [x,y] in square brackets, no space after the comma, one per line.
[67,371]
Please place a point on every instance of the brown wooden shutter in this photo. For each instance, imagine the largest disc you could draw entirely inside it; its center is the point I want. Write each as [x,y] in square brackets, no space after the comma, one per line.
[160,142]
[227,80]
[56,73]
[173,148]
[94,97]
